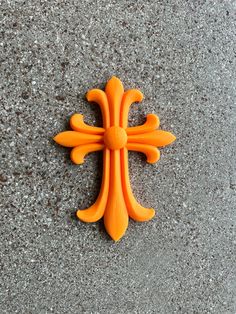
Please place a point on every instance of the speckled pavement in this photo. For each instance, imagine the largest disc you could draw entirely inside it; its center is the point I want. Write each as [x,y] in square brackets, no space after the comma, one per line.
[181,55]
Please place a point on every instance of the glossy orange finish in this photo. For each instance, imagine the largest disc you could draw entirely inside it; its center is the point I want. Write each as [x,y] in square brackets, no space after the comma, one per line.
[115,201]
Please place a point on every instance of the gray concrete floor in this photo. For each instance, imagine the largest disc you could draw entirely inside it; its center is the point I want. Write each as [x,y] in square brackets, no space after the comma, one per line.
[181,54]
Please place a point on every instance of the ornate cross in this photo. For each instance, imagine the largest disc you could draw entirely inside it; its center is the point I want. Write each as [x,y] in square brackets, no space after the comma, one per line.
[115,201]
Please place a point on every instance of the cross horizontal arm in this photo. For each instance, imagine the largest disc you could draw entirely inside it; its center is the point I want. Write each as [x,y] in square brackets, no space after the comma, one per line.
[151,152]
[156,138]
[73,138]
[78,153]
[151,124]
[77,124]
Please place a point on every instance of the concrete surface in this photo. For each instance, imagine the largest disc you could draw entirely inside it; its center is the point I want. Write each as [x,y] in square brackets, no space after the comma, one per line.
[181,54]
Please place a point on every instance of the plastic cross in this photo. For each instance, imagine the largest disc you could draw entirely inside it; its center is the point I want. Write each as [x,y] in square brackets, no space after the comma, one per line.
[115,201]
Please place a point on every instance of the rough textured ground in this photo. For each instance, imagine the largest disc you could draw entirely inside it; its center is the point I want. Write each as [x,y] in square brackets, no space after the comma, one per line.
[181,54]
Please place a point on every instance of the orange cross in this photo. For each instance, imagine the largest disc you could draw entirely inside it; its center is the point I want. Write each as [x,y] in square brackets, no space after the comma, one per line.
[115,201]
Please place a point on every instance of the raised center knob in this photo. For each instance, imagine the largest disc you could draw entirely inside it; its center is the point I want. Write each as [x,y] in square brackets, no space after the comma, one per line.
[115,137]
